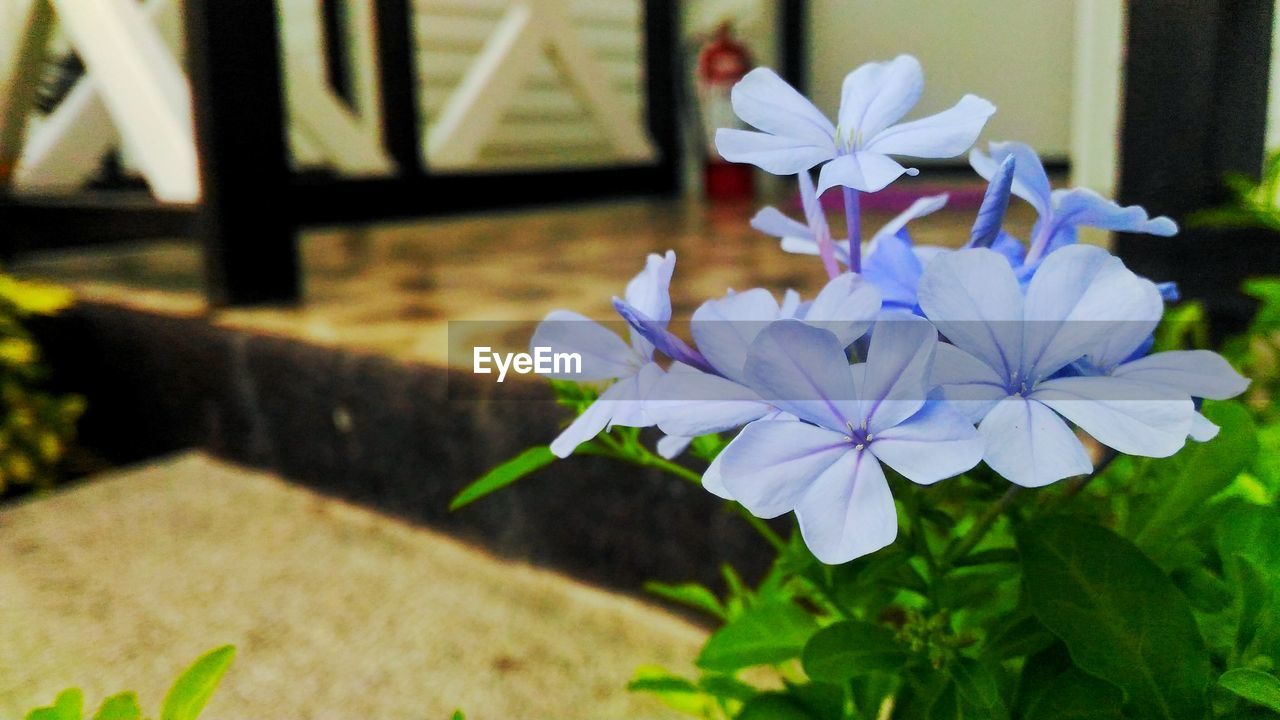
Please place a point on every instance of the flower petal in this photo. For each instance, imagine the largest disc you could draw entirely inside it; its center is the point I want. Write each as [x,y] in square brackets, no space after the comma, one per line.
[771,463]
[1082,206]
[649,291]
[771,221]
[1029,179]
[848,511]
[1011,248]
[1202,429]
[809,246]
[713,482]
[688,402]
[630,397]
[878,94]
[766,102]
[895,378]
[846,306]
[995,201]
[771,153]
[1134,418]
[1084,301]
[1198,373]
[895,269]
[1030,445]
[969,386]
[724,328]
[920,208]
[670,446]
[864,171]
[621,399]
[975,301]
[802,370]
[604,355]
[934,444]
[946,134]
[657,336]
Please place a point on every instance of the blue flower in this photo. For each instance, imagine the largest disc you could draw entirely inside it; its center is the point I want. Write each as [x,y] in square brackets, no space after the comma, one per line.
[1197,374]
[605,356]
[1062,211]
[1007,350]
[825,465]
[690,402]
[801,239]
[795,136]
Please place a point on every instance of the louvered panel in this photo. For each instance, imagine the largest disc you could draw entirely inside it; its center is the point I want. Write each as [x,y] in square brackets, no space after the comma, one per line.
[545,126]
[468,33]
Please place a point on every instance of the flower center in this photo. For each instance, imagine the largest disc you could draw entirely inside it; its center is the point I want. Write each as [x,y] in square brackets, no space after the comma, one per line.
[848,139]
[858,436]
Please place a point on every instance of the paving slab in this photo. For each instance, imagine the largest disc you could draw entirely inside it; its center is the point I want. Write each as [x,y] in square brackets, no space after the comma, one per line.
[338,612]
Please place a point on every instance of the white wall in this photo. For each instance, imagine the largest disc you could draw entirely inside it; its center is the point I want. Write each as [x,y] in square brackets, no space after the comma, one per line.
[1015,53]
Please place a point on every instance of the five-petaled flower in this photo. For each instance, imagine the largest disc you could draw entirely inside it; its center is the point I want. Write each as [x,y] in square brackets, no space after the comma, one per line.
[795,136]
[825,465]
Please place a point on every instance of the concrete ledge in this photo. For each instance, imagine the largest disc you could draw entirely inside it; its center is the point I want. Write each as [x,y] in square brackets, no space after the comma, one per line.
[384,433]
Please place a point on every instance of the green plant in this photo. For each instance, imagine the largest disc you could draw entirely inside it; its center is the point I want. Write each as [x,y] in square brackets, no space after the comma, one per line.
[35,426]
[1253,204]
[1149,589]
[184,701]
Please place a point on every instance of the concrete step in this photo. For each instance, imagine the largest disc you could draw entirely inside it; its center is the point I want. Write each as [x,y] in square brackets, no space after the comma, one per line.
[338,612]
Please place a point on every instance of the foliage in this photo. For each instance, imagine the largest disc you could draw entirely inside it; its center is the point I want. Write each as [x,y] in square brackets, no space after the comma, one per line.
[35,426]
[1150,589]
[184,701]
[1252,205]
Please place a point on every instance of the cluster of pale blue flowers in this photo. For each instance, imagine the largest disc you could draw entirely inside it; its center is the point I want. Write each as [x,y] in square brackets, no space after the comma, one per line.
[924,359]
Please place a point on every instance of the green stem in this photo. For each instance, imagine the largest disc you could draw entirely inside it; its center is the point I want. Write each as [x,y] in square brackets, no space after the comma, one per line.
[980,529]
[646,458]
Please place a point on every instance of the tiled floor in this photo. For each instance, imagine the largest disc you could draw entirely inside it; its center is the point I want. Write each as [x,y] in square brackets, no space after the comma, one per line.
[395,288]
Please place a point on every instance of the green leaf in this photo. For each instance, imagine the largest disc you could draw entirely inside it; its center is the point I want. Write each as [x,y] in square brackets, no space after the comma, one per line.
[774,706]
[508,472]
[675,692]
[1119,615]
[1251,558]
[768,633]
[1074,695]
[1255,686]
[846,650]
[69,705]
[457,715]
[120,707]
[1018,636]
[979,689]
[193,689]
[1196,474]
[727,687]
[691,595]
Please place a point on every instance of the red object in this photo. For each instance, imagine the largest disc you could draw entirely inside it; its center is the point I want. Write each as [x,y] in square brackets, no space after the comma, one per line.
[722,63]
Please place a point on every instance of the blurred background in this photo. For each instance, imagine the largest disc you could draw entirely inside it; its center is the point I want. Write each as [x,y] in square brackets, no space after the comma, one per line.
[274,217]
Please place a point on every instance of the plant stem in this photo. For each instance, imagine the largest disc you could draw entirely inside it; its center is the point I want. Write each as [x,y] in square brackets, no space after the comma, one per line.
[1077,485]
[648,459]
[980,529]
[853,221]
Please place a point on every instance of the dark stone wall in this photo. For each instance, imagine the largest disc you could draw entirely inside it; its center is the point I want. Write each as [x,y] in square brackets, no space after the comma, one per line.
[389,435]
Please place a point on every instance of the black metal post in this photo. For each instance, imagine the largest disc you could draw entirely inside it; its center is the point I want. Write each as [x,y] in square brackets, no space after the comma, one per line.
[249,237]
[662,72]
[793,42]
[397,73]
[1195,109]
